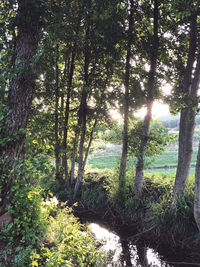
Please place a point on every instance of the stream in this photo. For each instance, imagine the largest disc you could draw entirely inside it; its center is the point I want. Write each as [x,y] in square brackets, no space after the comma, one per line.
[124,253]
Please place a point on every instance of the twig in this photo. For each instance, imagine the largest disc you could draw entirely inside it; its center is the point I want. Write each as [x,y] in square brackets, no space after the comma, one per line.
[105,214]
[111,211]
[143,232]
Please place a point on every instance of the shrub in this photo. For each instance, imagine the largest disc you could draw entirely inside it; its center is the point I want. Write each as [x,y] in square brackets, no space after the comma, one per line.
[43,231]
[71,242]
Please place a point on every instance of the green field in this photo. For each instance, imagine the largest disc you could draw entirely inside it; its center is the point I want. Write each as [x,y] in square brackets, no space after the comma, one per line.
[111,157]
[104,162]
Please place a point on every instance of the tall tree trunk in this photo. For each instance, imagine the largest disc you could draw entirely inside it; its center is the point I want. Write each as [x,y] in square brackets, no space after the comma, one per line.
[89,143]
[150,95]
[62,99]
[67,107]
[56,128]
[138,186]
[187,119]
[197,191]
[81,146]
[74,151]
[20,94]
[122,173]
[83,112]
[65,134]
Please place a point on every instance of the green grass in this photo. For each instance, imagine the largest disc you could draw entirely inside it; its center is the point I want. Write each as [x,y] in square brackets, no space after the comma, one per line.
[111,158]
[104,162]
[166,170]
[170,158]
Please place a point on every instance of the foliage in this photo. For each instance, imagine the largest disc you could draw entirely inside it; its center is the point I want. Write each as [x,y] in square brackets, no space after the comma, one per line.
[71,243]
[44,232]
[156,203]
[177,219]
[158,139]
[113,134]
[82,49]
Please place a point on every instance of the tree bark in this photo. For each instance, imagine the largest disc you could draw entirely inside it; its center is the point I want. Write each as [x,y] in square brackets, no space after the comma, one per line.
[197,191]
[187,118]
[67,108]
[65,134]
[21,90]
[75,144]
[56,128]
[122,173]
[81,125]
[81,145]
[83,112]
[89,144]
[62,98]
[138,186]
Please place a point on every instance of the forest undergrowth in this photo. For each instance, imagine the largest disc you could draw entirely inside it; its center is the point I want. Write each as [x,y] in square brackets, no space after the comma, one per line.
[45,231]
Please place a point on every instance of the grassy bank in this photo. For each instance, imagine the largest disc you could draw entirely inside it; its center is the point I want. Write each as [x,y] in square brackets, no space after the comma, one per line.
[170,225]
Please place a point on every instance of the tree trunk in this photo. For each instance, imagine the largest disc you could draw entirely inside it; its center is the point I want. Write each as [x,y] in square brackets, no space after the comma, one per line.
[187,119]
[138,186]
[81,125]
[75,145]
[56,128]
[83,112]
[89,144]
[81,146]
[150,94]
[197,191]
[65,134]
[64,145]
[20,94]
[122,173]
[62,99]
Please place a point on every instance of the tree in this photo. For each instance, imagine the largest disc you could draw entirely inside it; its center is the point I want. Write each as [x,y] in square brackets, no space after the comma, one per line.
[197,191]
[21,88]
[158,138]
[150,98]
[189,88]
[126,100]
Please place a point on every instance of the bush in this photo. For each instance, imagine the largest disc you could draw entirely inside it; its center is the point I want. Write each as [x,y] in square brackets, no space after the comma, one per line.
[43,231]
[71,243]
[178,217]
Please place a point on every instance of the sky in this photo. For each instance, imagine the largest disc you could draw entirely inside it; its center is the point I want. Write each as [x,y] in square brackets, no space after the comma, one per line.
[159,110]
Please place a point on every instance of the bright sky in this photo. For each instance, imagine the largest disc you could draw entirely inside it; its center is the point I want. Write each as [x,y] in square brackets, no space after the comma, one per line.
[159,110]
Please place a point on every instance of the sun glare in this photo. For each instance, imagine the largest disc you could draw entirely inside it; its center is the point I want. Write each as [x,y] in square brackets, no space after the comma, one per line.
[159,110]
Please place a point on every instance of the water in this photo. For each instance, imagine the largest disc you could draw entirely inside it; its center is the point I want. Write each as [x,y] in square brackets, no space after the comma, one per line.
[124,253]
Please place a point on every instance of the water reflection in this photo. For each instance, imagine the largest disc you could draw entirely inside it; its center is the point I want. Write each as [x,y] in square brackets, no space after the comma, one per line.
[124,253]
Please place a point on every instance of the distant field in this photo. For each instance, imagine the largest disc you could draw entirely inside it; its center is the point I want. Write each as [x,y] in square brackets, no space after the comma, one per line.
[104,162]
[110,159]
[166,170]
[170,158]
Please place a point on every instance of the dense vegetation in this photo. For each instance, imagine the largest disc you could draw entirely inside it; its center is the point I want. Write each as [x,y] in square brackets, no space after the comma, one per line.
[65,67]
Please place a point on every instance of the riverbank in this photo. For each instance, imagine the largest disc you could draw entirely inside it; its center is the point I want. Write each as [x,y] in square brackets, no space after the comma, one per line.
[150,220]
[171,245]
